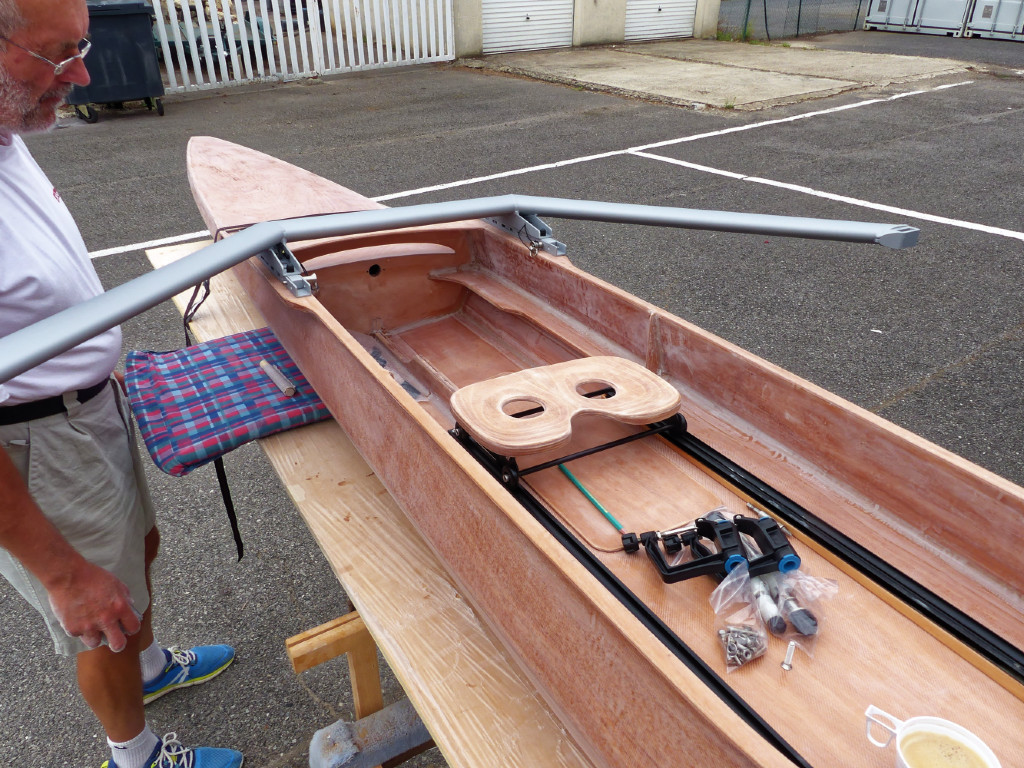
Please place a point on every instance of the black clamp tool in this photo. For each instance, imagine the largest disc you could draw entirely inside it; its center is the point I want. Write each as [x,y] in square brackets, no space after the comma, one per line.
[725,555]
[776,552]
[723,551]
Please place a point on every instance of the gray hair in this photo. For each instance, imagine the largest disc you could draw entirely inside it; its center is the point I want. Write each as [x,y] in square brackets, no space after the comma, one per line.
[11,19]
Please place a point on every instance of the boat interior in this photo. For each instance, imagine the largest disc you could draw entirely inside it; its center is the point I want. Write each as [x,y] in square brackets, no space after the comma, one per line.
[450,308]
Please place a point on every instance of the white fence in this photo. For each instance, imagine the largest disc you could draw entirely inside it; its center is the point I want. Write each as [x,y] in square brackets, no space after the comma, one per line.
[212,43]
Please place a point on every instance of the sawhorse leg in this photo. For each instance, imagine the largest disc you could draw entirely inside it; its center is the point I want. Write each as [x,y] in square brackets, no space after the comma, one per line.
[347,635]
[384,737]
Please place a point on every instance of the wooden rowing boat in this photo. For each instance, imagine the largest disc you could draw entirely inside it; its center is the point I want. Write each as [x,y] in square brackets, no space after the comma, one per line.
[405,341]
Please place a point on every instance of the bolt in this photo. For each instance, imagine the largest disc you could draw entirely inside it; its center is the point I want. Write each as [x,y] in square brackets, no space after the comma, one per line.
[787,664]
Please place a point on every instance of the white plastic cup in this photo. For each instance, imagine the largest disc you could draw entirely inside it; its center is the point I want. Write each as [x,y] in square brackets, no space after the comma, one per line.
[900,729]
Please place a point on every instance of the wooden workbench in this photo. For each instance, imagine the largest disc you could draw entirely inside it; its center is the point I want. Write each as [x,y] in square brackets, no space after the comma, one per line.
[477,705]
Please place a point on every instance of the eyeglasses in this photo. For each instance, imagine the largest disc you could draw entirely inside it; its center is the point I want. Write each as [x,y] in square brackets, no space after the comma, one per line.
[58,68]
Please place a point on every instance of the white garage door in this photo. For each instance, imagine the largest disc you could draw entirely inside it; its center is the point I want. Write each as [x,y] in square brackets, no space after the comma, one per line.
[526,25]
[651,19]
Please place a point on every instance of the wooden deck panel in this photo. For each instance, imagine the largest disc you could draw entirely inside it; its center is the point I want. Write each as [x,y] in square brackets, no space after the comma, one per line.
[935,536]
[862,633]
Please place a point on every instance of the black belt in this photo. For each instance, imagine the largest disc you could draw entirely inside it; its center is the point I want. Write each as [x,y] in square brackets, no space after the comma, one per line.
[39,409]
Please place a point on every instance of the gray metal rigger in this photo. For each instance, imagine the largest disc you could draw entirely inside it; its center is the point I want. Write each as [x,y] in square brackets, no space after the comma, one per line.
[30,346]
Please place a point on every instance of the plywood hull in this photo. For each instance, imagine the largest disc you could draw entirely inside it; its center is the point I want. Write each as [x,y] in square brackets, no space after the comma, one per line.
[482,304]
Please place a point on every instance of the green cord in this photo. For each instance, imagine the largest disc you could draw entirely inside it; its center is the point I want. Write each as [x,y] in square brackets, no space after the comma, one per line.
[590,498]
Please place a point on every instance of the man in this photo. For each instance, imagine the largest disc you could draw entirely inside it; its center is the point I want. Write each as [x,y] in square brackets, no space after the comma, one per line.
[77,533]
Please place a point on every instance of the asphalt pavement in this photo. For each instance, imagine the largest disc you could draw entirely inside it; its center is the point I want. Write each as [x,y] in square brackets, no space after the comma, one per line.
[931,338]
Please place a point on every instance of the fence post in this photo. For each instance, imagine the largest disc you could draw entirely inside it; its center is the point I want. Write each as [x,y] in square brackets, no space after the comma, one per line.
[856,18]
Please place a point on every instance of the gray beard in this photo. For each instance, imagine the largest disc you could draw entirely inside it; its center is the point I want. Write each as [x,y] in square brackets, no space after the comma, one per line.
[19,113]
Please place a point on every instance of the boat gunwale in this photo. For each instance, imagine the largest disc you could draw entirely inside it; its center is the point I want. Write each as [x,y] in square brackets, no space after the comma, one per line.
[743,747]
[673,361]
[656,356]
[662,355]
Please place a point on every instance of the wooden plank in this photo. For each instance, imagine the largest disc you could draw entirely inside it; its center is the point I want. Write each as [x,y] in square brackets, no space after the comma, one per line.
[364,674]
[345,635]
[326,642]
[477,705]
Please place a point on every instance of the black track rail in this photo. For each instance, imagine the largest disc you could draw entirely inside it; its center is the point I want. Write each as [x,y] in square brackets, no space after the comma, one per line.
[959,624]
[940,612]
[634,604]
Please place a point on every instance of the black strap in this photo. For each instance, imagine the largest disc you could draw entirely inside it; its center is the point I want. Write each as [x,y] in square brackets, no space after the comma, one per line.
[200,294]
[194,303]
[222,478]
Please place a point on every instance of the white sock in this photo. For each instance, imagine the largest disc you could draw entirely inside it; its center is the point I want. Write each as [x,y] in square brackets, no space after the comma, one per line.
[153,662]
[133,753]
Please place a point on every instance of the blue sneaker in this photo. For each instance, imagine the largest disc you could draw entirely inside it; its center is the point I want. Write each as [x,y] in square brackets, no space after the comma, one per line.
[170,754]
[185,668]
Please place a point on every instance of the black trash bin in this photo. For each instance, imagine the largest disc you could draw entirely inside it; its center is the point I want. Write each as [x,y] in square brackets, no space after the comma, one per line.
[122,63]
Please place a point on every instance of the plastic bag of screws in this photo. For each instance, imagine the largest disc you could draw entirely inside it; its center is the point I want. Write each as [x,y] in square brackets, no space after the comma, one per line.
[742,644]
[800,598]
[741,632]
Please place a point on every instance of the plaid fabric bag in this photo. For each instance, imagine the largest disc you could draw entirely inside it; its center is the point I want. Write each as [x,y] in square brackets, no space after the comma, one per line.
[195,404]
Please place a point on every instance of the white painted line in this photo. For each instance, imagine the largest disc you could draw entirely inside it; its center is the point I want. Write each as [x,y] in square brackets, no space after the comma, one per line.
[692,166]
[502,175]
[655,145]
[149,244]
[838,198]
[564,163]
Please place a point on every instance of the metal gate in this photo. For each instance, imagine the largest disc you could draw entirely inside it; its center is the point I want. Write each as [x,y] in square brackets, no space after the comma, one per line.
[652,19]
[213,43]
[526,25]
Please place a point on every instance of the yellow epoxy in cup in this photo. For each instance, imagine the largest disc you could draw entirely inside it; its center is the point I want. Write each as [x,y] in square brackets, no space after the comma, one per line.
[929,749]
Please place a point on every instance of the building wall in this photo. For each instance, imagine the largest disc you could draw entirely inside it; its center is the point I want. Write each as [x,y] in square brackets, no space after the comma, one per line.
[705,22]
[469,27]
[597,22]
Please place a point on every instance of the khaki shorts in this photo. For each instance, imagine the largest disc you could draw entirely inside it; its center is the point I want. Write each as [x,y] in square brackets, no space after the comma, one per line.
[84,471]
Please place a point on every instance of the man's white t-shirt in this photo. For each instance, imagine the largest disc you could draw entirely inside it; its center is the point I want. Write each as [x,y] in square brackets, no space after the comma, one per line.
[44,268]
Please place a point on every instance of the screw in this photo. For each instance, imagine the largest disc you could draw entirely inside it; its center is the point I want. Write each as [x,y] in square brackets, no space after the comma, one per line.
[787,664]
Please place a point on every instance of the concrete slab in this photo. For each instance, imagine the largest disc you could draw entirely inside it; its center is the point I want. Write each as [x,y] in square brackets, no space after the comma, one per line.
[716,73]
[803,59]
[661,79]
